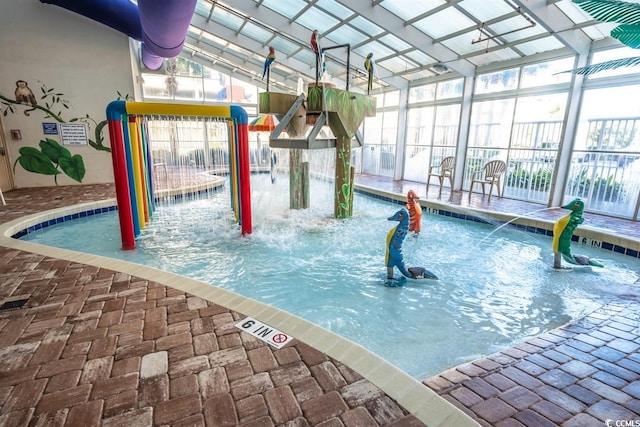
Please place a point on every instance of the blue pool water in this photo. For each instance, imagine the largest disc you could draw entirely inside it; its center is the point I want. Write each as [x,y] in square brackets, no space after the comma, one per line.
[496,288]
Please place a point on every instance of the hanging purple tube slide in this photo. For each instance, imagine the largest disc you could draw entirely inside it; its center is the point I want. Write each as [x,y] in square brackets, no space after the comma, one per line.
[121,15]
[161,25]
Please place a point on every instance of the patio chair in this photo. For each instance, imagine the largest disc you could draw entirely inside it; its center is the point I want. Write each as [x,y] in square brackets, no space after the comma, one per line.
[491,174]
[443,170]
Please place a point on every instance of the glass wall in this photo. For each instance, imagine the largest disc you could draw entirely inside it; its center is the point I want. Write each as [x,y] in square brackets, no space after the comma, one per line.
[522,127]
[605,164]
[199,144]
[432,127]
[189,81]
[380,135]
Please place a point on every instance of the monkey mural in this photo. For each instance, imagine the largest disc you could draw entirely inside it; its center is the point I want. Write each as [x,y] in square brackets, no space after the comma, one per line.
[25,95]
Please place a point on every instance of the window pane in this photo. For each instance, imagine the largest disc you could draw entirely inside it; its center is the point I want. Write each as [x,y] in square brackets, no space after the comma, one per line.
[610,55]
[491,123]
[450,89]
[605,166]
[547,73]
[422,93]
[497,82]
[392,99]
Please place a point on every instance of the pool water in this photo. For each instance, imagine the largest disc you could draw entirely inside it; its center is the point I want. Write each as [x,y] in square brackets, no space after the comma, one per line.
[496,287]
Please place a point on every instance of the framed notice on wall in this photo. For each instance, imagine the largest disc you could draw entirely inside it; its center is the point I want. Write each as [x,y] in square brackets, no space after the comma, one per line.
[74,134]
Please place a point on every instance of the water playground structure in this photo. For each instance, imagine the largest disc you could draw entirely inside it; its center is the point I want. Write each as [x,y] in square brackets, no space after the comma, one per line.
[133,164]
[303,119]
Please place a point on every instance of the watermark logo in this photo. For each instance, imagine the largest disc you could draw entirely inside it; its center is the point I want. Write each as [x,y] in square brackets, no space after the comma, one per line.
[622,423]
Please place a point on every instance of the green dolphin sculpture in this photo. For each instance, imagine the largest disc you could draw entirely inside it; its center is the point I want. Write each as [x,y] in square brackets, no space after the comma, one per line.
[563,230]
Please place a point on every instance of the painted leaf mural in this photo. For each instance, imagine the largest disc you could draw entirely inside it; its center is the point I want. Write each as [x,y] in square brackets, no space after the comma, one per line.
[73,166]
[53,150]
[34,160]
[50,159]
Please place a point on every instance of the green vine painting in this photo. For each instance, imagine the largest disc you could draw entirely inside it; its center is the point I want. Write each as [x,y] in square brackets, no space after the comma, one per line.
[52,158]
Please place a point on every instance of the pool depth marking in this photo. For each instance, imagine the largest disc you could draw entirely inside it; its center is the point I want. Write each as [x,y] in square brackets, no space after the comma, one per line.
[265,332]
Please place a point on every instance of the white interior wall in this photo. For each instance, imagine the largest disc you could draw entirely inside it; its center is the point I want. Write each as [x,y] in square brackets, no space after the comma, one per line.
[85,61]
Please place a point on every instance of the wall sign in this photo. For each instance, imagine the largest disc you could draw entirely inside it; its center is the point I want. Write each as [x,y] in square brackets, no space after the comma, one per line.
[50,128]
[74,134]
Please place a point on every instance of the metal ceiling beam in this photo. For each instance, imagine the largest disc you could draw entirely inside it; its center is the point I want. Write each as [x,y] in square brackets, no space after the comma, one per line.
[210,56]
[557,23]
[422,42]
[303,35]
[249,44]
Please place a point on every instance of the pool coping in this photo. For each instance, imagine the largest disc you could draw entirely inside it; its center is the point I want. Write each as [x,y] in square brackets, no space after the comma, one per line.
[422,402]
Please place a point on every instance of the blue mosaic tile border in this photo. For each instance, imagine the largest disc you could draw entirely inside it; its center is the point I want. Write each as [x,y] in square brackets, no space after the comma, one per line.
[91,212]
[605,245]
[62,219]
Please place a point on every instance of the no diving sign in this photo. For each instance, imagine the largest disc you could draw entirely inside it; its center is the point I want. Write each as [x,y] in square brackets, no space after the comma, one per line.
[265,332]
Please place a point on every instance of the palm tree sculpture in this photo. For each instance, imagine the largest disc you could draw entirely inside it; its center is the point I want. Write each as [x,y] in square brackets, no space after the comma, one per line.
[628,32]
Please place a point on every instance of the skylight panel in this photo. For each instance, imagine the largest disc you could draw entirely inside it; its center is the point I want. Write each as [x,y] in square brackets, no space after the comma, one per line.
[420,57]
[574,12]
[287,8]
[346,34]
[485,10]
[203,8]
[213,40]
[600,31]
[334,8]
[239,51]
[366,26]
[492,57]
[305,56]
[462,44]
[315,19]
[398,64]
[541,45]
[394,42]
[408,10]
[229,20]
[193,32]
[513,29]
[378,49]
[256,32]
[284,46]
[443,23]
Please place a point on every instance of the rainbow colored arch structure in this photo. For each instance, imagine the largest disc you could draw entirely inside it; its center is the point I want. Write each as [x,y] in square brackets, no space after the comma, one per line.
[132,162]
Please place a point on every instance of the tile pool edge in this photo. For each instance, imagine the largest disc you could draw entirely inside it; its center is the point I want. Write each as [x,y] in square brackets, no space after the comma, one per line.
[408,392]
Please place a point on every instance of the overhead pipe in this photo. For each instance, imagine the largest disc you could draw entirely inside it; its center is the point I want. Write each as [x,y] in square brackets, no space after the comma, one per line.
[160,25]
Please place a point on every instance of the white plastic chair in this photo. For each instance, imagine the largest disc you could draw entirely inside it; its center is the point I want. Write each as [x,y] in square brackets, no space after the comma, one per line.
[491,174]
[443,170]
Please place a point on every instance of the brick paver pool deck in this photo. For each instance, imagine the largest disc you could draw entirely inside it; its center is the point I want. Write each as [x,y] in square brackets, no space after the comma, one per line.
[94,345]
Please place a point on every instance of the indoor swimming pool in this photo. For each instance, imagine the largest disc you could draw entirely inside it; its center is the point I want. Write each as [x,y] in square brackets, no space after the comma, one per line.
[496,286]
